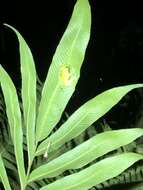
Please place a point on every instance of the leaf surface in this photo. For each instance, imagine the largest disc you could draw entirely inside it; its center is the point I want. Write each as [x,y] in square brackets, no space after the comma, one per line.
[85,116]
[86,152]
[14,119]
[95,174]
[28,74]
[3,175]
[64,71]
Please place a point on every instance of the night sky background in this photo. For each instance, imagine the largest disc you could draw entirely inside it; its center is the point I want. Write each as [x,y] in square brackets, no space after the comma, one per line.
[114,56]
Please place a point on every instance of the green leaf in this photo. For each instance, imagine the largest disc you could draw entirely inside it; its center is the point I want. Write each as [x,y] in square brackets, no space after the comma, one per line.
[86,152]
[14,119]
[28,73]
[3,175]
[64,71]
[86,115]
[95,174]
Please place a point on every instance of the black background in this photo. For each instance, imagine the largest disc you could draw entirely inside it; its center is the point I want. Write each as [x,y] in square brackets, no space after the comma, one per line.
[114,56]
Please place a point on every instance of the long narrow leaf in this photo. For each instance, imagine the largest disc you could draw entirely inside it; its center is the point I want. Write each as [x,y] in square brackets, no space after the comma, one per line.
[3,175]
[28,73]
[95,174]
[64,71]
[86,152]
[85,116]
[14,119]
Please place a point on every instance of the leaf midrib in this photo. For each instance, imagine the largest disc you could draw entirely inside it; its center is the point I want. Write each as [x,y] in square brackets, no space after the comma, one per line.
[79,157]
[76,158]
[69,131]
[90,176]
[58,84]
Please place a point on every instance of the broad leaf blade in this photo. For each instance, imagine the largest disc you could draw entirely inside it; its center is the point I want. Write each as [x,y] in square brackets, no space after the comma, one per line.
[14,119]
[3,175]
[86,152]
[64,71]
[28,73]
[85,116]
[95,174]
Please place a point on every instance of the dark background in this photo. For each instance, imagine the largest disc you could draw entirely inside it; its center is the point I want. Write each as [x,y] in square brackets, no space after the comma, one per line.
[114,55]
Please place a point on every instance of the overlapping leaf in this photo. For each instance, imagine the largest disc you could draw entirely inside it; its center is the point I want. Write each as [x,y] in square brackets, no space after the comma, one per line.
[59,86]
[86,152]
[85,116]
[3,175]
[28,73]
[14,119]
[64,71]
[95,174]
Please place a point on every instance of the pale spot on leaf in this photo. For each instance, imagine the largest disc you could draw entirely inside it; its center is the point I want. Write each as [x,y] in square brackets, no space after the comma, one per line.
[65,75]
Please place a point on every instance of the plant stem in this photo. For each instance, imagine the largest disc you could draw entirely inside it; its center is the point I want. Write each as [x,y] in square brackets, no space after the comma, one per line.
[30,164]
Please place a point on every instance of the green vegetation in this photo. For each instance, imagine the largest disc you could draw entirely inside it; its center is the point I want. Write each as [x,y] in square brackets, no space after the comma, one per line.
[32,150]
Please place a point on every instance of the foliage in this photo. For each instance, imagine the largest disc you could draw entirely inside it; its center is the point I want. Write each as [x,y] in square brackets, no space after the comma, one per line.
[30,135]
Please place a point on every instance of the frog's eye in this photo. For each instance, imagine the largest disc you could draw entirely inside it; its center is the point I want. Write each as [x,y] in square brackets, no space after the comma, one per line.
[65,75]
